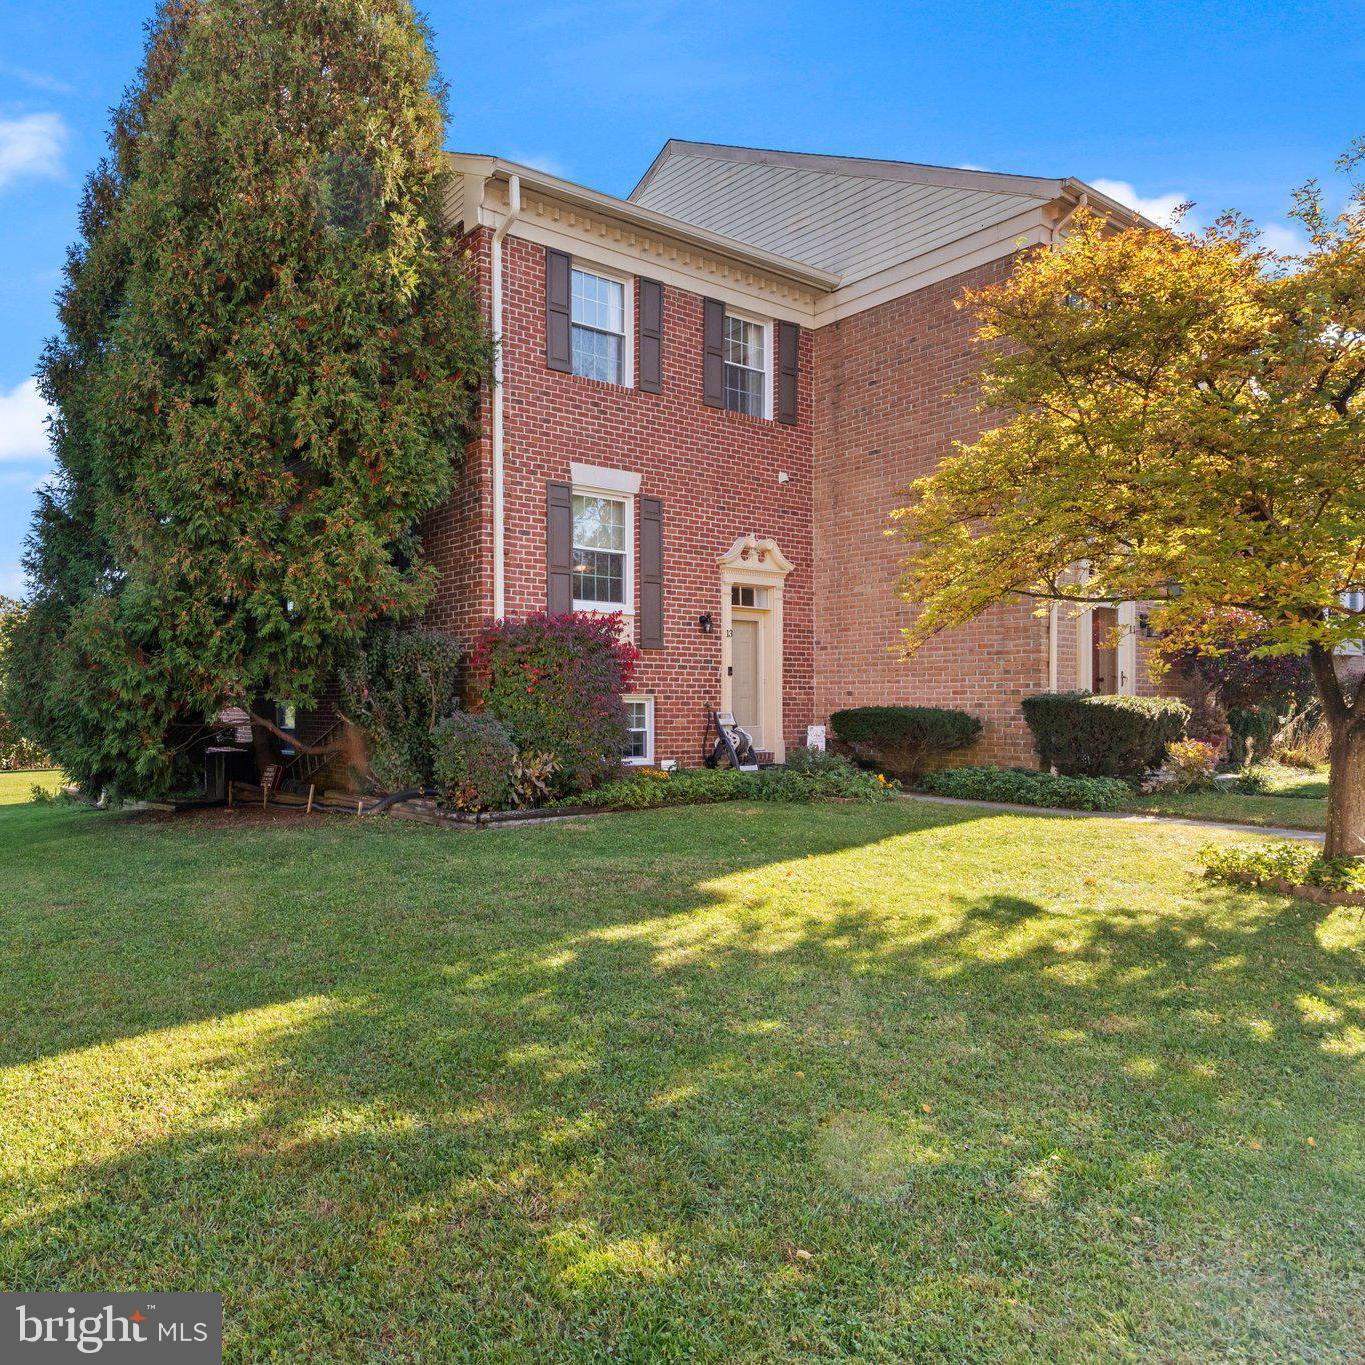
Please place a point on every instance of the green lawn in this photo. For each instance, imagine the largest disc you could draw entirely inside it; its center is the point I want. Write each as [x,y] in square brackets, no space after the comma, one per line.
[1295,799]
[16,788]
[890,1083]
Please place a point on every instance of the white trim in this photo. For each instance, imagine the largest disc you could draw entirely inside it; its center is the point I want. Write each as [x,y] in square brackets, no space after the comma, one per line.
[1125,654]
[626,608]
[769,360]
[919,272]
[600,479]
[499,384]
[758,562]
[647,759]
[1053,647]
[594,201]
[871,168]
[742,289]
[587,265]
[1127,649]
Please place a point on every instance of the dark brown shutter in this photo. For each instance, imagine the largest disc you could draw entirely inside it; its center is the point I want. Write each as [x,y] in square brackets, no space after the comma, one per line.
[651,573]
[559,548]
[651,336]
[558,343]
[713,353]
[788,369]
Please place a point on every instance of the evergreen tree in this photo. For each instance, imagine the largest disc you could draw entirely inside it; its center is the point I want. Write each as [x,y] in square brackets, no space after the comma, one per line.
[270,355]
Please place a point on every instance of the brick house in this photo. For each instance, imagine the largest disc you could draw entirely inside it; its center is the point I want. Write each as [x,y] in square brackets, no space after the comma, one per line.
[711,396]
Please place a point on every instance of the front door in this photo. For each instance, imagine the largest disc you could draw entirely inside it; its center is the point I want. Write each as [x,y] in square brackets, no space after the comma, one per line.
[1104,654]
[746,680]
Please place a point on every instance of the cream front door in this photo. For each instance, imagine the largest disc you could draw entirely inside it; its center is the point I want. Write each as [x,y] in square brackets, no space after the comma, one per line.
[746,680]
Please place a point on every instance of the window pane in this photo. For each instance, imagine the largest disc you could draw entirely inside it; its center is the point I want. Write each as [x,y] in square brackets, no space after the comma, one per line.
[744,390]
[598,523]
[596,355]
[598,302]
[599,576]
[743,343]
[637,721]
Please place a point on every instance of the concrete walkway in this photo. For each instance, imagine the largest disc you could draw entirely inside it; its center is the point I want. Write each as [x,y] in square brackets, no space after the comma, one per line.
[1270,831]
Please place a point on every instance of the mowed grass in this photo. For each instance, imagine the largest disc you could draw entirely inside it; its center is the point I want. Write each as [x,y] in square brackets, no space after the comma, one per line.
[17,788]
[890,1083]
[1294,799]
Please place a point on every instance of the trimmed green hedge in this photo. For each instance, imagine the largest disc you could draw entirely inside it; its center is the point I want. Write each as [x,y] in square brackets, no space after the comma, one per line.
[694,786]
[1084,735]
[1023,787]
[902,739]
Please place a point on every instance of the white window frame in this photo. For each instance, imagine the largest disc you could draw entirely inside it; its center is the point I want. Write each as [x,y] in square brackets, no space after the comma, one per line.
[769,360]
[586,267]
[616,491]
[646,760]
[1348,600]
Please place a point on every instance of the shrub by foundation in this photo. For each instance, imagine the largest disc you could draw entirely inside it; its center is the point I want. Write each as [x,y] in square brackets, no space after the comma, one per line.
[903,739]
[1084,735]
[472,762]
[1023,787]
[556,683]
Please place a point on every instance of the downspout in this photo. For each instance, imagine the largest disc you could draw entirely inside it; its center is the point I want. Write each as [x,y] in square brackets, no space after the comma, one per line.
[1053,660]
[499,573]
[1053,657]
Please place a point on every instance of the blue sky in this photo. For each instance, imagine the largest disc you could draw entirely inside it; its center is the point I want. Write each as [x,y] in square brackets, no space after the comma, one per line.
[1230,104]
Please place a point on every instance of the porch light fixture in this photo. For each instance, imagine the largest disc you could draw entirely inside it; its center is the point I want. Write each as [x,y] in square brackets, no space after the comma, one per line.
[706,624]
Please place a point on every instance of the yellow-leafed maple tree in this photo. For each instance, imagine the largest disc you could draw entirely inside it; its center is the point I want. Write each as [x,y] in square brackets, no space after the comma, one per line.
[1183,419]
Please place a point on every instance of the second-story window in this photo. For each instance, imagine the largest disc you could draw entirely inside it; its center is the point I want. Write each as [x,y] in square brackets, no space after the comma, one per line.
[746,368]
[601,549]
[598,316]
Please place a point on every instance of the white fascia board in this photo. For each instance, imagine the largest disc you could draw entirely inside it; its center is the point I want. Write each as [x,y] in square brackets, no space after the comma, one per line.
[867,168]
[991,244]
[551,186]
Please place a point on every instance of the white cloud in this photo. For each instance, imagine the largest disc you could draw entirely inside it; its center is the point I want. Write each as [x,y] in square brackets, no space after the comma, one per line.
[39,80]
[23,423]
[1285,239]
[1158,207]
[31,145]
[970,166]
[538,162]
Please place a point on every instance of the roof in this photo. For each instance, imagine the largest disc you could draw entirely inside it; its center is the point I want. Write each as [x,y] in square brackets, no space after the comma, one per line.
[681,230]
[851,216]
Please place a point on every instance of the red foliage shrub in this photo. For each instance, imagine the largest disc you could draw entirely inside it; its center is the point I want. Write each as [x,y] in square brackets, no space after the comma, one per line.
[556,682]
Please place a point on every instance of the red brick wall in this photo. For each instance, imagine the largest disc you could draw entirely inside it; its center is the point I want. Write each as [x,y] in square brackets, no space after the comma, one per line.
[458,537]
[884,415]
[715,471]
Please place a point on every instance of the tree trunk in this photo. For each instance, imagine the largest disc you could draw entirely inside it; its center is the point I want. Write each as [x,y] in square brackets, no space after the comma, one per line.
[264,747]
[1346,790]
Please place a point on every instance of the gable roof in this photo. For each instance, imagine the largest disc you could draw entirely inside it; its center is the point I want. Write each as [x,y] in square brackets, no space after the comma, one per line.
[852,216]
[484,167]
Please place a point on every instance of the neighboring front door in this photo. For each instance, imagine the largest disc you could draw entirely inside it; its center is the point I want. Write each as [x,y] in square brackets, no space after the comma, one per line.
[1104,654]
[746,679]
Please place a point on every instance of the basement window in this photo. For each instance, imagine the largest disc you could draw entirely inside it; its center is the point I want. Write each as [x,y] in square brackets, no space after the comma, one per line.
[640,723]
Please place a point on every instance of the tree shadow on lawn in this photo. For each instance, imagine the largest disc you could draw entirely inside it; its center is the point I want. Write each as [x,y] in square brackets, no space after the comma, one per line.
[523,1094]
